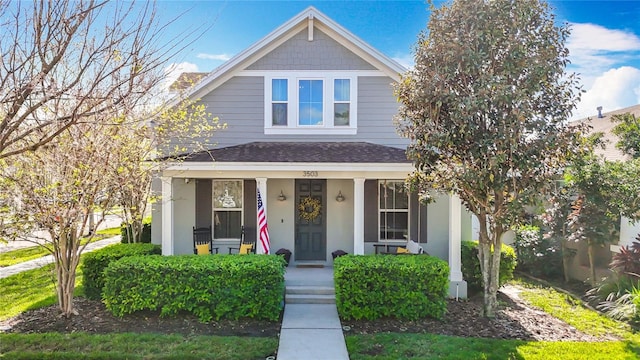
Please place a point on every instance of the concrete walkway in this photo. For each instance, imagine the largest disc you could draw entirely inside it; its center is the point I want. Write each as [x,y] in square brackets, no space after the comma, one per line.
[48,259]
[311,331]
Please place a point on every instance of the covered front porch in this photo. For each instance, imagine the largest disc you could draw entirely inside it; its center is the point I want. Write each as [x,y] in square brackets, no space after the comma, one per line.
[354,207]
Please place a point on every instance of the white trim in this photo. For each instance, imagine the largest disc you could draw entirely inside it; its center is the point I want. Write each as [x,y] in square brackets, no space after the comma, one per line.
[314,73]
[167,215]
[358,216]
[289,170]
[285,32]
[455,238]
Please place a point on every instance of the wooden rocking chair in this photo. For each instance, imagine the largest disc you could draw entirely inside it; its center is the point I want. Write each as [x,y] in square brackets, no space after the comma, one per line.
[244,248]
[202,241]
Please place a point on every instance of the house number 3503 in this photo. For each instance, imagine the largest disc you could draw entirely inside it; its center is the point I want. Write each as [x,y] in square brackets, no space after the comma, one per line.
[310,174]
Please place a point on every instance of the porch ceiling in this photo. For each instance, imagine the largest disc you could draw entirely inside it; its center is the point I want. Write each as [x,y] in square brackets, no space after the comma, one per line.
[303,152]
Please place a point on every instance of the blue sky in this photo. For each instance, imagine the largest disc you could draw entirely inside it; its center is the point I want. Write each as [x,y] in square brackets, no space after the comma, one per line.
[604,45]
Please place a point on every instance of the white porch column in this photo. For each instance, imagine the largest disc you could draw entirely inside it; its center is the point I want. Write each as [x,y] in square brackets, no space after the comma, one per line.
[261,184]
[167,215]
[358,216]
[457,286]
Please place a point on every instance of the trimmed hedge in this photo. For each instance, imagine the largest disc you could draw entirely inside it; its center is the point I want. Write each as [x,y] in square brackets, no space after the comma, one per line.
[95,262]
[210,287]
[471,264]
[407,286]
[125,237]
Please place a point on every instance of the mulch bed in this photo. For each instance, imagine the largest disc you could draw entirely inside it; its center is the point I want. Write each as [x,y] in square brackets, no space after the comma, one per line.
[514,320]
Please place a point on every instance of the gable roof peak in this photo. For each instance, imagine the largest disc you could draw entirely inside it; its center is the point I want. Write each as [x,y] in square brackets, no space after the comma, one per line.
[287,30]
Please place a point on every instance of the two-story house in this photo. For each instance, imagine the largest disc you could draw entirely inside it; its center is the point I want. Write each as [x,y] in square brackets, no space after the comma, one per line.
[309,112]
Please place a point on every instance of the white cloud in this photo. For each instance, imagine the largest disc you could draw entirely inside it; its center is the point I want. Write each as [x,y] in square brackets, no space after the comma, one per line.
[614,89]
[173,71]
[594,49]
[220,57]
[405,60]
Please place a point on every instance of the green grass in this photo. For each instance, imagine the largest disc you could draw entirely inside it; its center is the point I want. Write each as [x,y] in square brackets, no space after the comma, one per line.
[571,310]
[31,289]
[564,307]
[34,252]
[428,346]
[133,346]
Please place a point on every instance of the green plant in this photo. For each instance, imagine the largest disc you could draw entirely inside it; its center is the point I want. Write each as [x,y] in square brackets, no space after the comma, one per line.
[94,263]
[537,255]
[471,264]
[218,286]
[126,232]
[371,287]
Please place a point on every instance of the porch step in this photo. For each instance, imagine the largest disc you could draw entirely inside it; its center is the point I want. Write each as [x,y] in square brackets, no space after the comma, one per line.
[309,299]
[311,290]
[310,295]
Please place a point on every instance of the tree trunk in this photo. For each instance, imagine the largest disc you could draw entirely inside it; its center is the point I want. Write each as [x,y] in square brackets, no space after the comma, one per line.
[67,259]
[489,255]
[592,267]
[565,259]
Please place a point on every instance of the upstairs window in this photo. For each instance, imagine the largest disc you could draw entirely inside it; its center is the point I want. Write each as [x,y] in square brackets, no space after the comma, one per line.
[279,102]
[310,103]
[341,101]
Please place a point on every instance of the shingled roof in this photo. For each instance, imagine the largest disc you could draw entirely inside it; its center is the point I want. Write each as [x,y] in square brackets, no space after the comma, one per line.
[605,126]
[304,152]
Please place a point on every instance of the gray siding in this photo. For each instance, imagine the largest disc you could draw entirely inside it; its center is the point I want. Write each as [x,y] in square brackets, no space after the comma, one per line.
[323,53]
[240,104]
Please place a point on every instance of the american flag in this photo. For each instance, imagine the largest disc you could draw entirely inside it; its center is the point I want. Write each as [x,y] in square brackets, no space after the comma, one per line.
[263,230]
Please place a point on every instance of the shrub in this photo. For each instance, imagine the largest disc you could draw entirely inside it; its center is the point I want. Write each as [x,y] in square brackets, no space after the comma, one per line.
[95,262]
[471,264]
[125,232]
[371,287]
[537,255]
[218,286]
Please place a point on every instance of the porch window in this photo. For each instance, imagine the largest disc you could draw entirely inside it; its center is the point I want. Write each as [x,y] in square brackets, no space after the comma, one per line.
[227,209]
[394,210]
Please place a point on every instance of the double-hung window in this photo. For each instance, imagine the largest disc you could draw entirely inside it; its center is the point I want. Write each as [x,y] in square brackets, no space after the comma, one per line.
[310,103]
[227,209]
[394,210]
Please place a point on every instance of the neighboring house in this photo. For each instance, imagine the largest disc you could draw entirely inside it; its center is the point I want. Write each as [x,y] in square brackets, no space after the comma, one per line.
[309,112]
[601,123]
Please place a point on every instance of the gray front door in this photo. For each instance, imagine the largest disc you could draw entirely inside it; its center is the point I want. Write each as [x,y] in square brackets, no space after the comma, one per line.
[311,234]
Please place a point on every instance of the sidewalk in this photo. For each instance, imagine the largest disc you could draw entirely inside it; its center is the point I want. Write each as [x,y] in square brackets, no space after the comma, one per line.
[40,262]
[311,331]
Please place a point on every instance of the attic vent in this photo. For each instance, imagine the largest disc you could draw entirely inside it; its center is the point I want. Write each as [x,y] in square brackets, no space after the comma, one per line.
[310,27]
[599,108]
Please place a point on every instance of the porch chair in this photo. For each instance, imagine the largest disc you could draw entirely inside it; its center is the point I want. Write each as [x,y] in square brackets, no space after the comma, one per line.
[202,241]
[412,247]
[243,248]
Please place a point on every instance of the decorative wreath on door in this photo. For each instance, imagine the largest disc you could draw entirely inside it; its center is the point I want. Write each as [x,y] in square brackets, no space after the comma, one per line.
[309,208]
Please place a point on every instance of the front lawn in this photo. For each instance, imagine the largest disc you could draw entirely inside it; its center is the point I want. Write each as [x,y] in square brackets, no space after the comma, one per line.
[562,306]
[134,346]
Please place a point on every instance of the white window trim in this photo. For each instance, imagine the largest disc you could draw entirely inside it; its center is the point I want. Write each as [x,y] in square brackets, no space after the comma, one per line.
[214,208]
[327,126]
[407,210]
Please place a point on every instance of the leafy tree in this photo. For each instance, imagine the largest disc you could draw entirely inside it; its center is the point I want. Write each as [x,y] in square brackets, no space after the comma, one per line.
[58,189]
[604,191]
[628,130]
[140,150]
[485,109]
